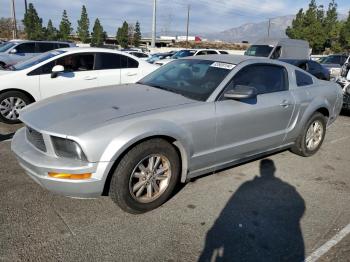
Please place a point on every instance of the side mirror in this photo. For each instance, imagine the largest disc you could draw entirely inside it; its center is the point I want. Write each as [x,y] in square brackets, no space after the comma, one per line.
[13,51]
[56,70]
[241,92]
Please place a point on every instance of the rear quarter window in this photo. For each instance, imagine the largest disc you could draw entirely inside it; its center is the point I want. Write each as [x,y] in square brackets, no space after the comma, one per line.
[303,79]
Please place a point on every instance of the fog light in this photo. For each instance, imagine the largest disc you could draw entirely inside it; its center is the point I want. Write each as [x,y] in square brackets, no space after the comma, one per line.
[70,176]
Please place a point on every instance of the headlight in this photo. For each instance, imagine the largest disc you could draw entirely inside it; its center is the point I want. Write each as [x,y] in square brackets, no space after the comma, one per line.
[68,148]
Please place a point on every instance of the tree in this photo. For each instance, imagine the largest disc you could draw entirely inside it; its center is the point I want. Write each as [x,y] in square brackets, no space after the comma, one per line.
[122,35]
[131,32]
[332,27]
[51,31]
[33,24]
[309,25]
[98,35]
[345,34]
[83,26]
[65,27]
[5,28]
[137,34]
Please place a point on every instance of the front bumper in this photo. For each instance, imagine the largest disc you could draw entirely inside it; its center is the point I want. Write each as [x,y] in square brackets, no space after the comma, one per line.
[38,164]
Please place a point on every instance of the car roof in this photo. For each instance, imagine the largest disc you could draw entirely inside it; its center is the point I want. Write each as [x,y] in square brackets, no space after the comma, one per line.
[18,41]
[231,59]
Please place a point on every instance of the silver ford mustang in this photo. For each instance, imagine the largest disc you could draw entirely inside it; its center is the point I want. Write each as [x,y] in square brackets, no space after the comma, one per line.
[192,116]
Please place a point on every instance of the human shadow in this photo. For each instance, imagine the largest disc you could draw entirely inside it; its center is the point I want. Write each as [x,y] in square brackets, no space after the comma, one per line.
[260,222]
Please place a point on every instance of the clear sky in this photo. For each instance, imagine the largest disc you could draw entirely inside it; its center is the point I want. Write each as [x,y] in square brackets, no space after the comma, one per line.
[206,15]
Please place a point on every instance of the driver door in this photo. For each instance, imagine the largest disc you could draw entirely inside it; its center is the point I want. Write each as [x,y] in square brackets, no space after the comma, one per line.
[79,74]
[249,126]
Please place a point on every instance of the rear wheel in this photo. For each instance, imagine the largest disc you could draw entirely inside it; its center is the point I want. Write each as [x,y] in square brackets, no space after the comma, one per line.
[146,176]
[311,137]
[11,103]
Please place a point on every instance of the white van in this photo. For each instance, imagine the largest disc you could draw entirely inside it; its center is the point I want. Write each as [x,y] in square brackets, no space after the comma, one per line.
[283,48]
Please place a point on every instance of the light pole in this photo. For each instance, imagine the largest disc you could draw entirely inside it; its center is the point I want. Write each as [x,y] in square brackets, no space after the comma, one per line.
[188,23]
[14,24]
[154,21]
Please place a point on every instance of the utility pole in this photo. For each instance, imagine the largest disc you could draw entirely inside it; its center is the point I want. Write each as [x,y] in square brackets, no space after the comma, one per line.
[14,24]
[154,21]
[25,6]
[188,23]
[268,28]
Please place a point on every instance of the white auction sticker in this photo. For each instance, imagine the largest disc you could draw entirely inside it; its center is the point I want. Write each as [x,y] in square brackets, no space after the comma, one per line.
[223,65]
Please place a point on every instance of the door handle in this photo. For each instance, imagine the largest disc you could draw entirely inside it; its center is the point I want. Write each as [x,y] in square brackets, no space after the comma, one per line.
[131,74]
[90,78]
[285,103]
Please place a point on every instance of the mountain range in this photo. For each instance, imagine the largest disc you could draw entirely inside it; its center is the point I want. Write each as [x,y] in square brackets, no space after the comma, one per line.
[247,32]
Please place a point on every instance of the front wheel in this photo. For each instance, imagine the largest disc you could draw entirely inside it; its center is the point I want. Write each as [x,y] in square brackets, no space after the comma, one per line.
[11,103]
[311,137]
[146,176]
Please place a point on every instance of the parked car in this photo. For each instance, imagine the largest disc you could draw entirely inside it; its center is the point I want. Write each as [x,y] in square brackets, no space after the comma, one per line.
[159,56]
[333,63]
[15,51]
[344,82]
[65,70]
[140,55]
[283,48]
[310,66]
[188,118]
[186,53]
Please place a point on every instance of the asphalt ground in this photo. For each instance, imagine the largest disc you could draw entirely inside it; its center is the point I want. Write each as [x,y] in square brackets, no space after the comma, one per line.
[283,209]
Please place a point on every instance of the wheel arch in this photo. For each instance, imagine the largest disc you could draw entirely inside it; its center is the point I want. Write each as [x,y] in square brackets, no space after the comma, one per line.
[32,99]
[177,144]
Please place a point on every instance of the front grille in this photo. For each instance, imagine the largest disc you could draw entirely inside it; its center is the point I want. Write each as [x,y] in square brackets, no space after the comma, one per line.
[36,139]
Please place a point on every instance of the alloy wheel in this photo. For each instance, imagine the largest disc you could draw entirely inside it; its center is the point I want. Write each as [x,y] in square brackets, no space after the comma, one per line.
[314,135]
[10,106]
[150,178]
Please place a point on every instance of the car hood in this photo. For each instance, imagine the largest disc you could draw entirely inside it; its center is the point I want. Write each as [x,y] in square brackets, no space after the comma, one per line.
[6,72]
[76,112]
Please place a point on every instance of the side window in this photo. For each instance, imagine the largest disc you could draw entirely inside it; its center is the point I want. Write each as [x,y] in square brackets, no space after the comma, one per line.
[223,52]
[44,47]
[77,62]
[202,53]
[303,79]
[25,48]
[212,52]
[127,62]
[107,61]
[277,53]
[265,78]
[313,66]
[43,70]
[304,66]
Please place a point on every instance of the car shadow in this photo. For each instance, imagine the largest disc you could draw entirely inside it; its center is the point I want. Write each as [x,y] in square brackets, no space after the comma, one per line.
[260,222]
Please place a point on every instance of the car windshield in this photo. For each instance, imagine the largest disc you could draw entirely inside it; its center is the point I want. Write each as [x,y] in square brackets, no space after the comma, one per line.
[195,79]
[332,59]
[183,53]
[6,46]
[36,60]
[259,50]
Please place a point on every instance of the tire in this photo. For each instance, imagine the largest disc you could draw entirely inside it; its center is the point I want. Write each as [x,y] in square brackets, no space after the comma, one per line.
[5,104]
[301,147]
[128,176]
